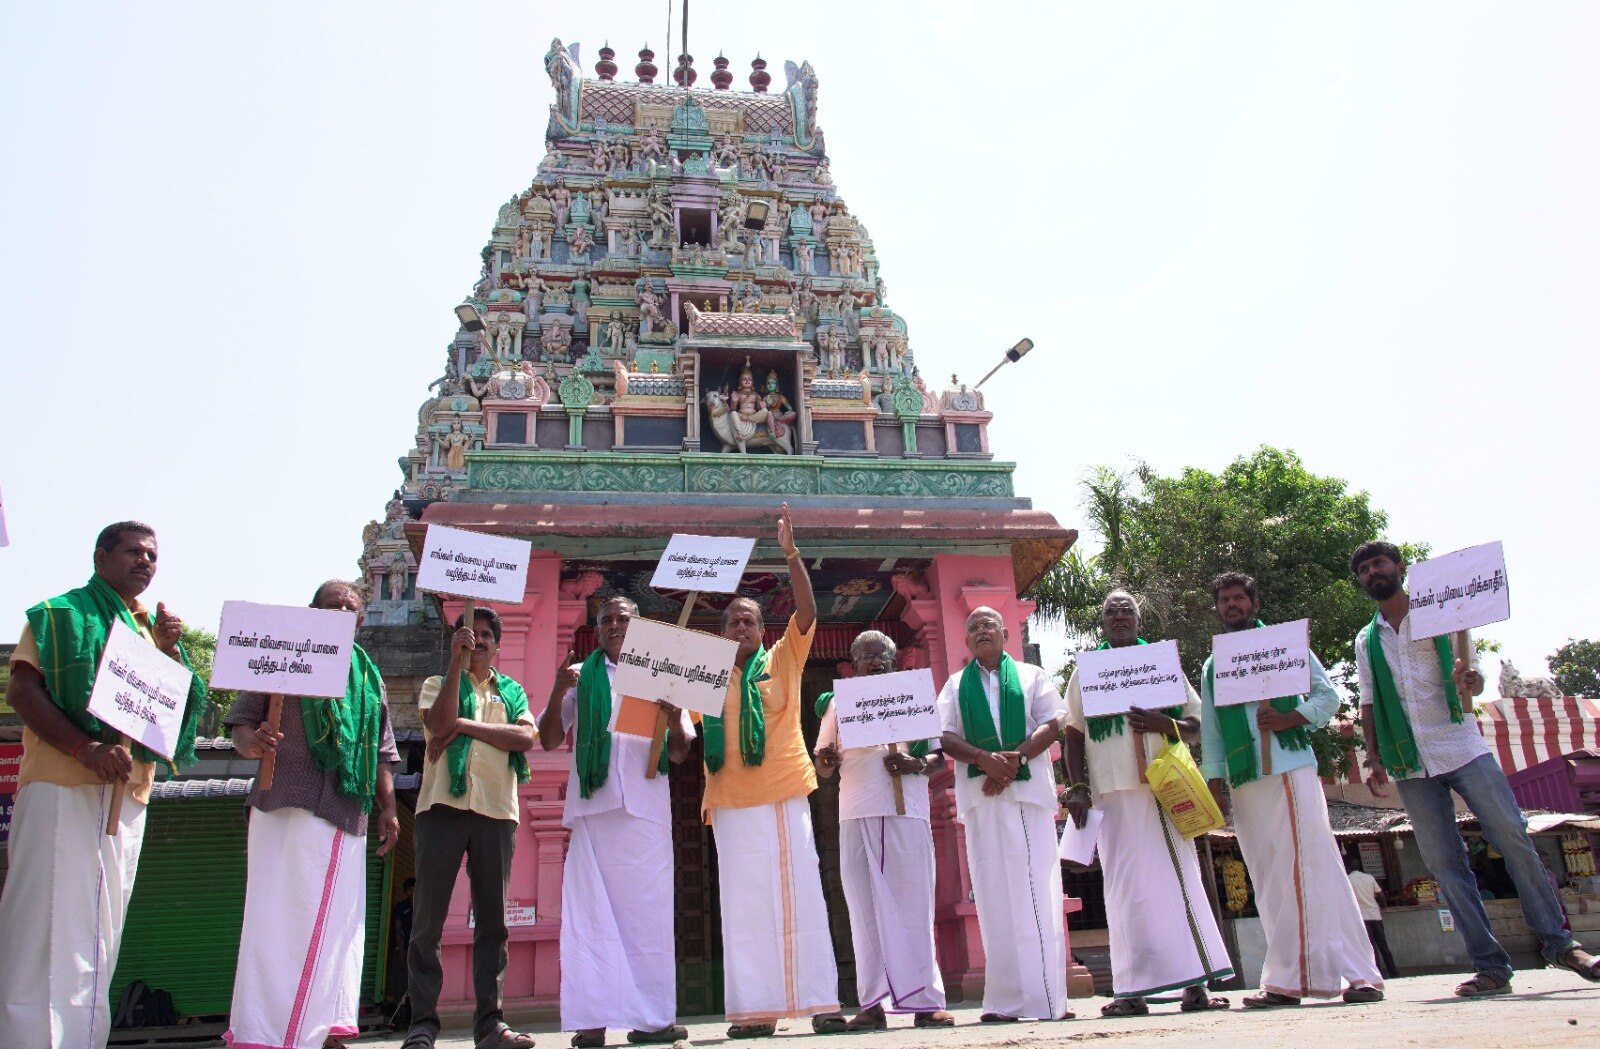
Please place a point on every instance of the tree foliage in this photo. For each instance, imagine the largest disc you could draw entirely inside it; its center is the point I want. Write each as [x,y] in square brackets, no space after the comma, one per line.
[200,645]
[1576,668]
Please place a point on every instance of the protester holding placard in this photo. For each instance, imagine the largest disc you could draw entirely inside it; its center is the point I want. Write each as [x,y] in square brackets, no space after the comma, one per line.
[777,947]
[478,731]
[61,917]
[1163,935]
[305,904]
[999,716]
[1316,942]
[885,860]
[618,957]
[1417,720]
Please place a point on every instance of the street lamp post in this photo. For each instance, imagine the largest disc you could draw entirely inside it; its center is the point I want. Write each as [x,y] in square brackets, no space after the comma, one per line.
[468,315]
[1016,353]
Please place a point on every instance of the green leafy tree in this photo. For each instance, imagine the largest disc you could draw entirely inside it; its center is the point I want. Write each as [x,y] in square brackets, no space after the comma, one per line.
[200,645]
[1576,668]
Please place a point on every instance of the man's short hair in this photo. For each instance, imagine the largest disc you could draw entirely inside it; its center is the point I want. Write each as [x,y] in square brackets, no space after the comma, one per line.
[1126,595]
[984,612]
[871,635]
[1374,548]
[488,614]
[111,535]
[335,584]
[1239,579]
[618,599]
[736,602]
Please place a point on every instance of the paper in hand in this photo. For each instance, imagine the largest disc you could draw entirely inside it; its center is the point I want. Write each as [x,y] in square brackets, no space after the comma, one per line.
[1077,846]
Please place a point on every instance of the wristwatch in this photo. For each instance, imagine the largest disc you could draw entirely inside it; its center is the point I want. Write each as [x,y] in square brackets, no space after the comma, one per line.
[1022,759]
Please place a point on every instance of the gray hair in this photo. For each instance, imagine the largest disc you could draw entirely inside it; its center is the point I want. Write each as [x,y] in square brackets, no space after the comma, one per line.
[337,585]
[1125,595]
[871,635]
[618,599]
[986,611]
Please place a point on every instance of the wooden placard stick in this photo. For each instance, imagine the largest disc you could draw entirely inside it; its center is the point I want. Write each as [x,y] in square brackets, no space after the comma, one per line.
[1461,642]
[899,788]
[1138,752]
[269,760]
[469,619]
[657,741]
[1266,742]
[120,788]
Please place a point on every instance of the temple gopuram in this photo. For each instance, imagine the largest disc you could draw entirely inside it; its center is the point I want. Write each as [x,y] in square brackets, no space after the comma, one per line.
[678,324]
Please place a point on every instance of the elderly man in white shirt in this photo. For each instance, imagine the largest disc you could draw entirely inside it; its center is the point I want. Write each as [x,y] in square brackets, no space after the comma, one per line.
[885,861]
[1000,718]
[1417,718]
[618,964]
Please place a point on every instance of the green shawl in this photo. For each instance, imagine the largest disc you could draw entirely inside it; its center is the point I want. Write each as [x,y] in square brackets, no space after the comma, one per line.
[593,745]
[344,734]
[71,631]
[752,719]
[1240,745]
[978,723]
[1397,747]
[516,703]
[916,748]
[1108,725]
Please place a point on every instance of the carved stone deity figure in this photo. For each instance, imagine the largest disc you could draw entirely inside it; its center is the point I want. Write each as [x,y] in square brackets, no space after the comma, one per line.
[822,176]
[760,166]
[556,340]
[649,306]
[504,351]
[453,447]
[394,519]
[780,413]
[580,299]
[652,147]
[819,215]
[599,154]
[615,332]
[619,157]
[780,169]
[831,341]
[533,290]
[803,257]
[631,244]
[660,220]
[552,157]
[578,244]
[399,576]
[560,201]
[562,66]
[806,299]
[746,297]
[597,205]
[727,153]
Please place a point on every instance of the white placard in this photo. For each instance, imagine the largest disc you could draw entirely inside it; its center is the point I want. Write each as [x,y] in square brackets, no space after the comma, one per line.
[1458,591]
[886,708]
[1248,666]
[472,564]
[1111,680]
[1077,845]
[5,540]
[283,648]
[686,668]
[708,563]
[140,691]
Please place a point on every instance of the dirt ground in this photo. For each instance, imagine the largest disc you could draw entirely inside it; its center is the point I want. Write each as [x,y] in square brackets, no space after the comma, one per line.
[1548,1008]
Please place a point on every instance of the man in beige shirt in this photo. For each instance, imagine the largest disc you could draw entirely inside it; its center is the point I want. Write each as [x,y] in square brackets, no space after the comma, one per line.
[478,731]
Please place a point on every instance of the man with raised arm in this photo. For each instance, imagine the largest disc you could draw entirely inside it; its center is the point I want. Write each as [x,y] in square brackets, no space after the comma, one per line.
[66,896]
[1164,936]
[776,946]
[885,861]
[305,904]
[1316,944]
[618,959]
[1000,718]
[478,730]
[1416,715]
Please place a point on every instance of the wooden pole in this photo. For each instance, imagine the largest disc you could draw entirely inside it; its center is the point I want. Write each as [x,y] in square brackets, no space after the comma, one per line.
[469,619]
[899,789]
[658,741]
[1266,742]
[1139,755]
[1461,642]
[120,788]
[269,760]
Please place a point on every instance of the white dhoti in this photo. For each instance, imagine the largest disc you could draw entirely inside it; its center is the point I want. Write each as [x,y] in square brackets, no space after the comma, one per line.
[618,962]
[777,950]
[1309,914]
[62,914]
[305,907]
[1164,935]
[1016,884]
[886,864]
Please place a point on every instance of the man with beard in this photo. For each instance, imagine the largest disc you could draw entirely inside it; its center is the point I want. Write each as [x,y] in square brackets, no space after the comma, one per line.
[1315,937]
[777,948]
[1000,716]
[618,964]
[1419,731]
[479,731]
[66,898]
[1163,934]
[885,860]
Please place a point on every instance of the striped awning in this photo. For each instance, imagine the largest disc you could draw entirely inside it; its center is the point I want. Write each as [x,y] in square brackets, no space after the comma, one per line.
[1524,732]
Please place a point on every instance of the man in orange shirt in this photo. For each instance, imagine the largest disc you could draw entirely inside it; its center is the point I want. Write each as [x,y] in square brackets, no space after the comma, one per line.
[777,948]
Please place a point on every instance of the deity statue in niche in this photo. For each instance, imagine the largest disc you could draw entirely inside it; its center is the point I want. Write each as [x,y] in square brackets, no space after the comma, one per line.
[780,413]
[580,299]
[651,147]
[556,341]
[615,332]
[803,257]
[560,201]
[597,204]
[661,233]
[533,290]
[399,577]
[454,445]
[578,244]
[727,153]
[599,154]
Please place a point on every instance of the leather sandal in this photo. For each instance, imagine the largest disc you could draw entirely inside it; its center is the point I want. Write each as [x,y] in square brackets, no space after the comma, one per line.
[938,1018]
[1200,1005]
[753,1030]
[1269,1000]
[666,1036]
[1590,972]
[1482,985]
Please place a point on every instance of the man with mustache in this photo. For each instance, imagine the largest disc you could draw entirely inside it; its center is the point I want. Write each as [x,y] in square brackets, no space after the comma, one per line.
[1163,935]
[1000,718]
[1315,937]
[1419,729]
[618,963]
[66,898]
[305,902]
[777,948]
[885,860]
[479,731]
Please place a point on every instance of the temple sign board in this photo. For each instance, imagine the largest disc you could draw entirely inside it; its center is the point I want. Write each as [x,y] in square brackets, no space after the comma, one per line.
[703,563]
[1113,680]
[1458,591]
[284,649]
[475,565]
[1249,666]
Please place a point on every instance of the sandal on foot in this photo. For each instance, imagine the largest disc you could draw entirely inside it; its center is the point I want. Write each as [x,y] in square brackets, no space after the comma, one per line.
[1200,1005]
[1125,1007]
[1269,1000]
[939,1018]
[1364,995]
[419,1039]
[1590,972]
[831,1023]
[867,1022]
[666,1036]
[503,1037]
[752,1030]
[996,1018]
[1482,985]
[588,1040]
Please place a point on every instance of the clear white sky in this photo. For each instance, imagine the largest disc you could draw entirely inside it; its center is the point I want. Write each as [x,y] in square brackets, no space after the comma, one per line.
[231,235]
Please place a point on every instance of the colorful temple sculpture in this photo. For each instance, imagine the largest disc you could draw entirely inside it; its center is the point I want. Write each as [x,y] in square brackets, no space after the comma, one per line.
[683,324]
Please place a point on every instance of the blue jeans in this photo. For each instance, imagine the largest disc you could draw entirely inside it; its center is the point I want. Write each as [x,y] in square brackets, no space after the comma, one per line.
[1482,785]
